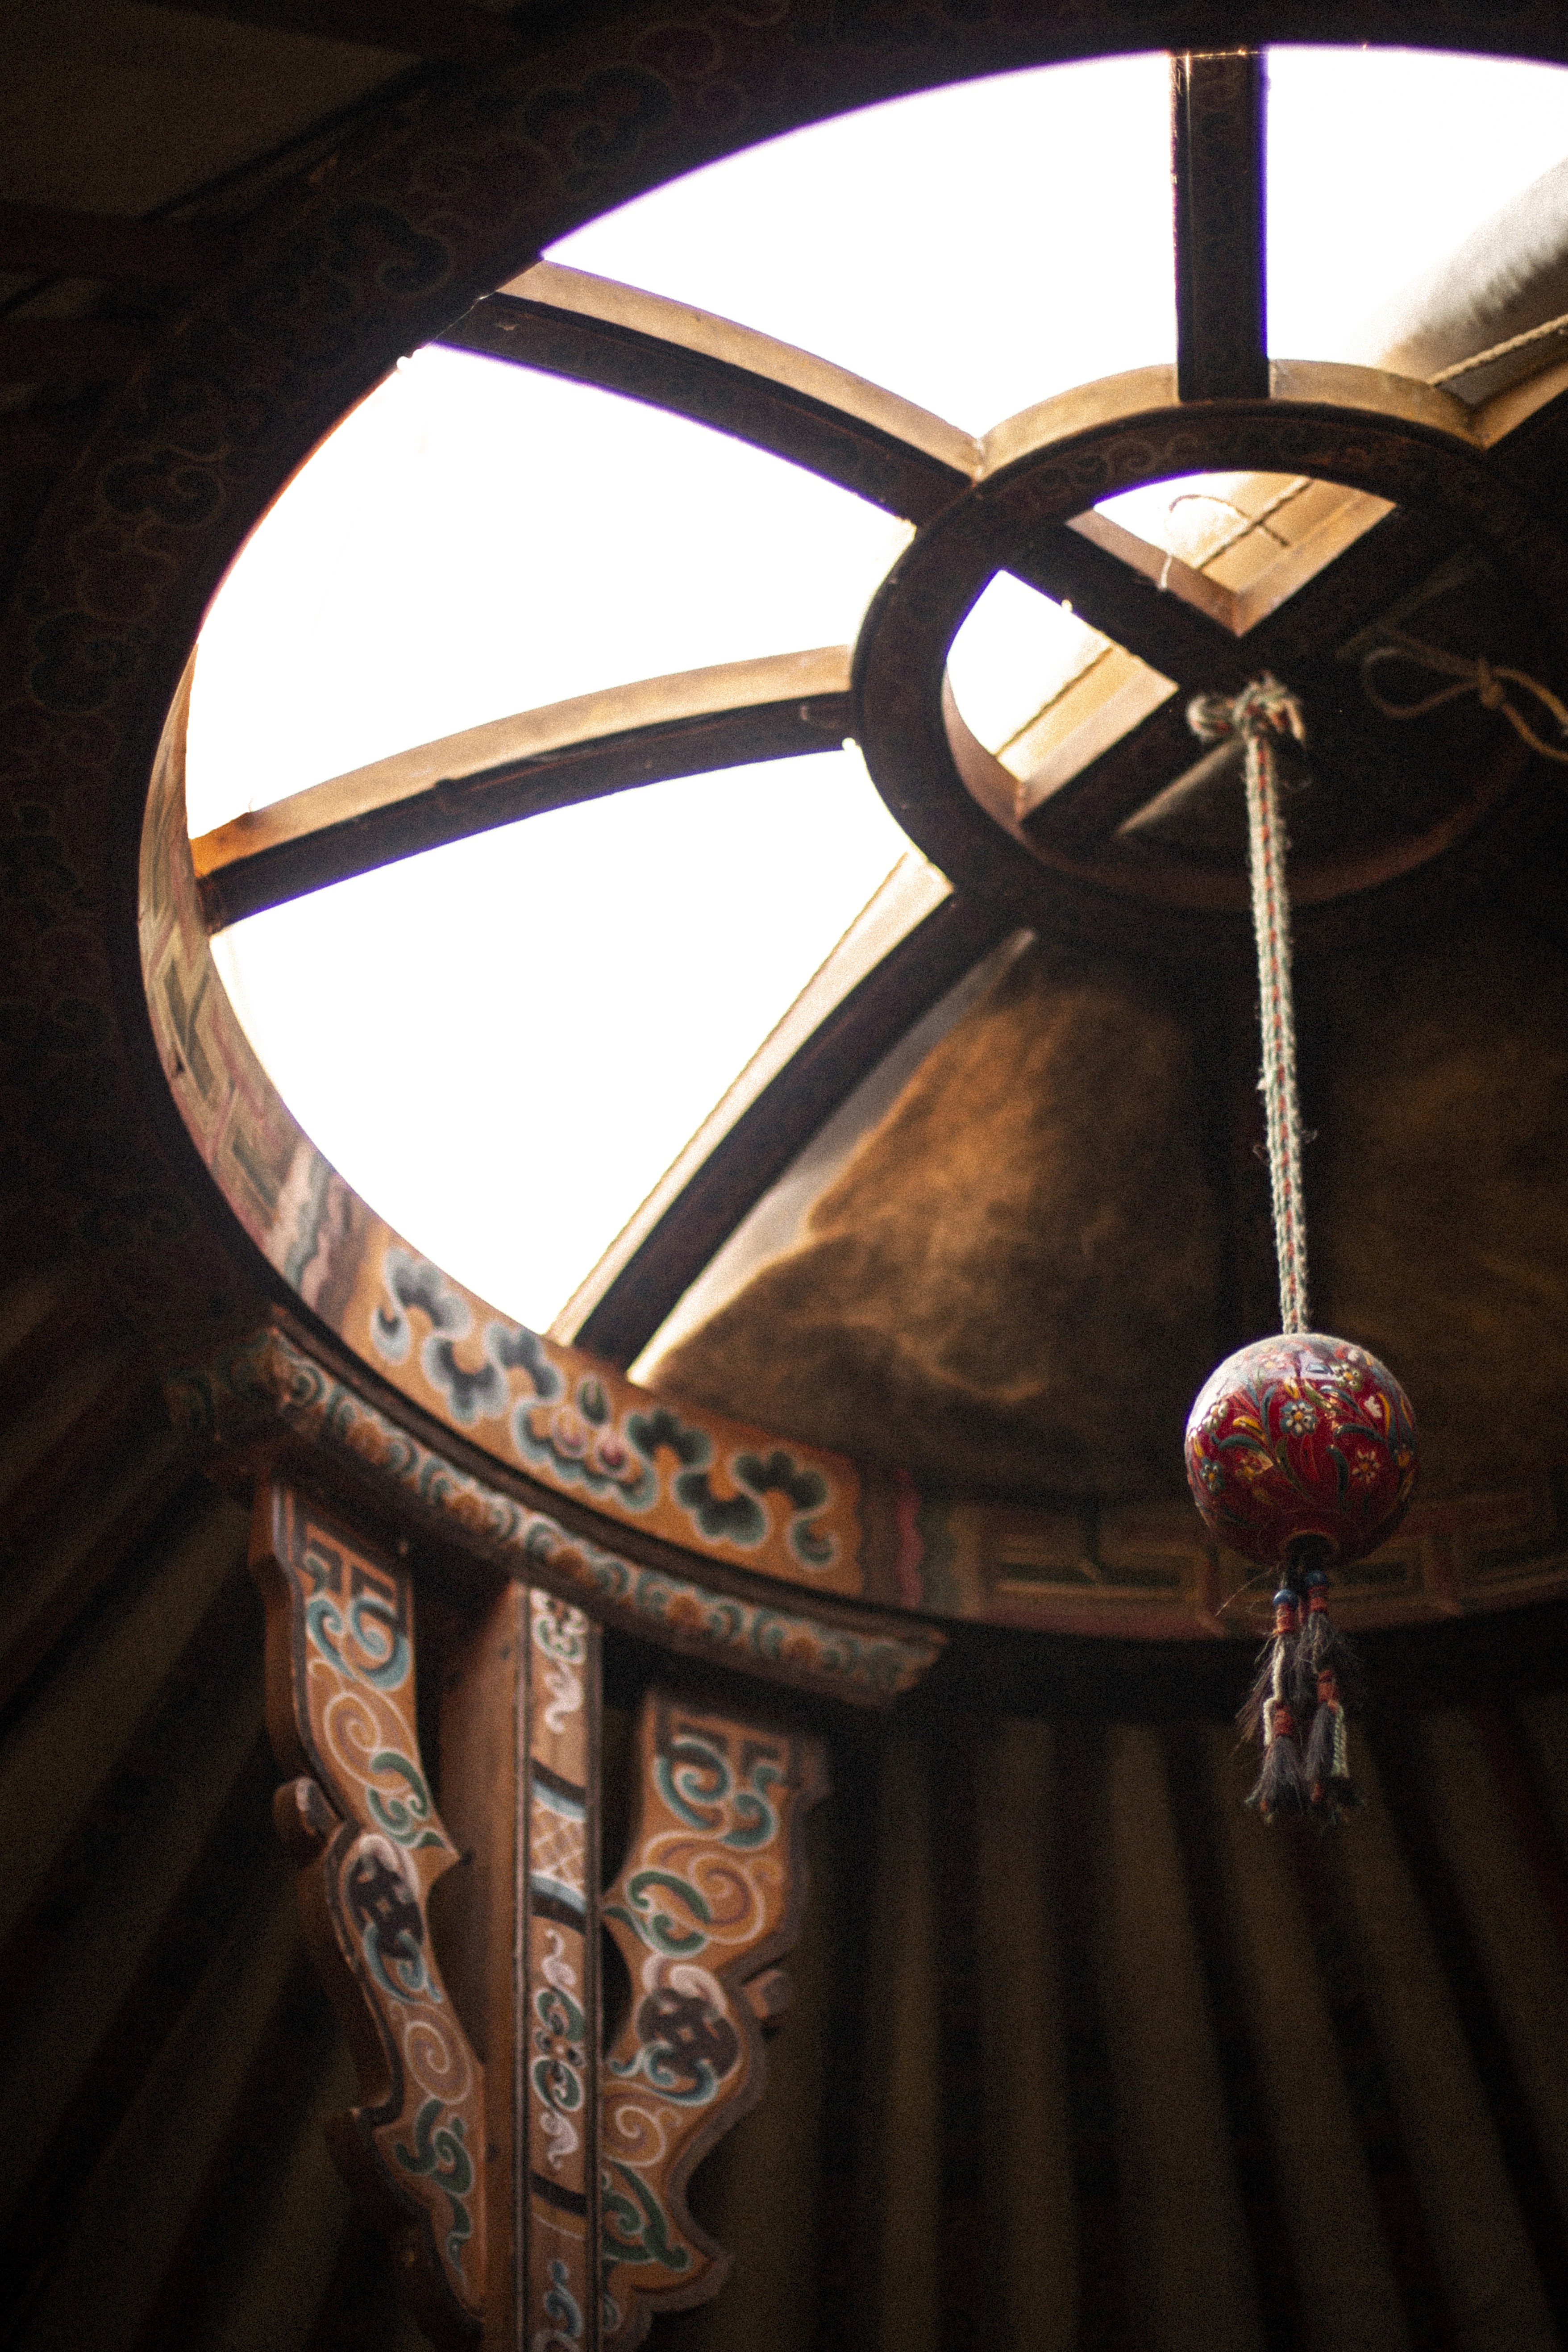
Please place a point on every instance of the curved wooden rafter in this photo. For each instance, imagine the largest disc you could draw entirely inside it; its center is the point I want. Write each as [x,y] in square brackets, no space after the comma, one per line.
[1176,620]
[1087,778]
[848,1024]
[594,331]
[649,733]
[597,331]
[137,650]
[861,1004]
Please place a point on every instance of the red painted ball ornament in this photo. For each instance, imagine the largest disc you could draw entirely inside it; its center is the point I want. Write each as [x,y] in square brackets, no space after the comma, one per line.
[1301,1436]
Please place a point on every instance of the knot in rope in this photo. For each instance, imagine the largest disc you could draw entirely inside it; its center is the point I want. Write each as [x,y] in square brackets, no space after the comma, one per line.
[1262,708]
[1480,678]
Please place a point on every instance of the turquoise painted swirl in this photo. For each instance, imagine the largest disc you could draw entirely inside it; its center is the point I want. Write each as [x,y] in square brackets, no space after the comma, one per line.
[656,1926]
[375,1632]
[635,2228]
[442,2154]
[403,1818]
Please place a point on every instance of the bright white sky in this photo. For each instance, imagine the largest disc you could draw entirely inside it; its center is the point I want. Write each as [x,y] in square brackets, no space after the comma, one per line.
[503,1044]
[476,539]
[1381,161]
[975,249]
[523,1030]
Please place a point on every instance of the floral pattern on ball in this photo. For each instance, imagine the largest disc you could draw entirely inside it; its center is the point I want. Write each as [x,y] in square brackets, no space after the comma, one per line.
[1301,1435]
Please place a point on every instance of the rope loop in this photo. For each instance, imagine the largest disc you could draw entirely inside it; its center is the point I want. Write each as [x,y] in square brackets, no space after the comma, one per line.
[1488,681]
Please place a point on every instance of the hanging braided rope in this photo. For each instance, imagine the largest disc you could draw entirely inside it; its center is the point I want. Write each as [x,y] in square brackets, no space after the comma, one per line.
[1273,1428]
[1258,717]
[1480,678]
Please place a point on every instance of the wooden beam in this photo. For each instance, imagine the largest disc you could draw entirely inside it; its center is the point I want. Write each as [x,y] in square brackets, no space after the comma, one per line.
[1218,102]
[1080,816]
[1081,564]
[521,1781]
[442,31]
[648,733]
[45,351]
[592,331]
[40,439]
[863,1026]
[1385,564]
[104,245]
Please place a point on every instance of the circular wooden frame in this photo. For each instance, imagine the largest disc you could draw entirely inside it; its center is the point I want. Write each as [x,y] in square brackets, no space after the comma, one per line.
[420,211]
[1355,426]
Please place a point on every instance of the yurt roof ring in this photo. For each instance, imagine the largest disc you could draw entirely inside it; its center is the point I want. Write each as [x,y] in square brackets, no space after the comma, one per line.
[1370,432]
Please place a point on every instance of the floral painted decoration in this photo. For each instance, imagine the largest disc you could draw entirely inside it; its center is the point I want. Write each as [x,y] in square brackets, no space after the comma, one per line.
[1299,1437]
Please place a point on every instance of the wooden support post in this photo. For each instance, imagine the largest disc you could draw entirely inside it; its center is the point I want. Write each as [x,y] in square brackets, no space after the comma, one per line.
[1219,101]
[476,1908]
[531,2182]
[558,1982]
[359,1819]
[519,1742]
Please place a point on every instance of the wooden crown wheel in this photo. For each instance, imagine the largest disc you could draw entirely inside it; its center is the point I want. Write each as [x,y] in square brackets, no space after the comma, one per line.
[1030,513]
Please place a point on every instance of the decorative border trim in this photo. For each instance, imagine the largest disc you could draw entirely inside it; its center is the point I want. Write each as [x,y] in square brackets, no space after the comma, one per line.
[773,1507]
[270,1377]
[559,2061]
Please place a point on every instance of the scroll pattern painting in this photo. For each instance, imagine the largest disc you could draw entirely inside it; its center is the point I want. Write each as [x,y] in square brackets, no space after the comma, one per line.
[361,1822]
[709,1896]
[558,1999]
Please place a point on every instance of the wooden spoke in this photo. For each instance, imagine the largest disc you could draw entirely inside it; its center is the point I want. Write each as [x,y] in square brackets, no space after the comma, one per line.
[1384,564]
[754,1152]
[1383,567]
[1114,595]
[1206,637]
[643,734]
[1217,114]
[434,29]
[1082,813]
[43,350]
[103,245]
[592,331]
[1113,581]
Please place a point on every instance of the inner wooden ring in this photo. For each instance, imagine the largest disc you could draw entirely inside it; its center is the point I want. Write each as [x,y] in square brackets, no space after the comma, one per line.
[950,794]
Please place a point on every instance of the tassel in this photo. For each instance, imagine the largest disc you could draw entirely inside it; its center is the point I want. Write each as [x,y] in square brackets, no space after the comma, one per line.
[1281,1786]
[1322,1649]
[1328,1765]
[1275,1664]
